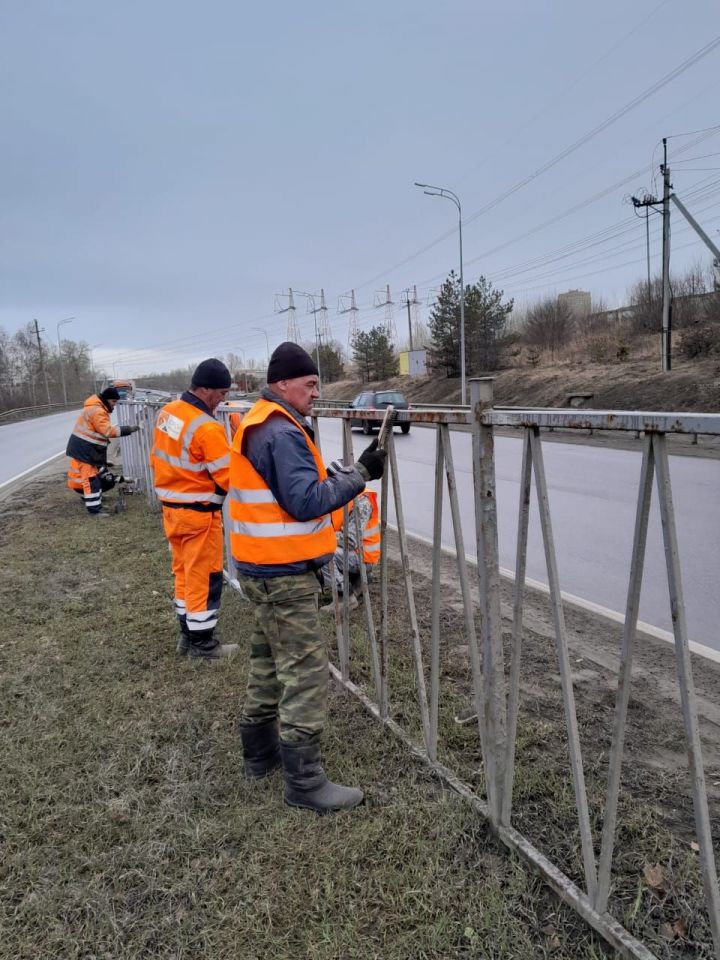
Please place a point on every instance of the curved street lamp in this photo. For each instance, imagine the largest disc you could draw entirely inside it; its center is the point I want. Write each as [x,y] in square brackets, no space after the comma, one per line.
[62,371]
[449,195]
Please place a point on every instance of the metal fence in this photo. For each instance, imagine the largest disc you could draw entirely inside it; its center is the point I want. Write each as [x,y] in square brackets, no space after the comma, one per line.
[497,695]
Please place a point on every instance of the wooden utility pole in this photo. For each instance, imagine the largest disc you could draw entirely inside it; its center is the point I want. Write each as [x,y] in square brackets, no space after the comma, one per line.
[42,362]
[666,347]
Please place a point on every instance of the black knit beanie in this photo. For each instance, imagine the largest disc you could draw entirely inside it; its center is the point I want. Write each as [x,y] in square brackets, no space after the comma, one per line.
[212,374]
[289,361]
[109,393]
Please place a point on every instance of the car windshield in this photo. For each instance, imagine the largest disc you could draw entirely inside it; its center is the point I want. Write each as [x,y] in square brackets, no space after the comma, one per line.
[390,397]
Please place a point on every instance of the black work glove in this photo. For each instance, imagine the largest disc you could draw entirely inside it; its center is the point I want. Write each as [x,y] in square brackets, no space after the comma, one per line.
[127,429]
[373,460]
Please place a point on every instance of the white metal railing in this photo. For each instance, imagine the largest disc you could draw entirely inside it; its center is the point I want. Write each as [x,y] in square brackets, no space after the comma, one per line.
[497,707]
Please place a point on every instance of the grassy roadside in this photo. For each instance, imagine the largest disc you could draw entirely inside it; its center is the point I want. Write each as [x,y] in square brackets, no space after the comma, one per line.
[126,829]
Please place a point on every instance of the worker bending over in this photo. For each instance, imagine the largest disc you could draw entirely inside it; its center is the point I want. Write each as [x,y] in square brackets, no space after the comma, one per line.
[190,462]
[87,447]
[284,510]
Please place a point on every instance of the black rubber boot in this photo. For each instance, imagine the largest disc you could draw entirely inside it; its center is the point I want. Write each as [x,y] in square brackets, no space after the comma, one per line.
[183,644]
[204,646]
[261,747]
[306,784]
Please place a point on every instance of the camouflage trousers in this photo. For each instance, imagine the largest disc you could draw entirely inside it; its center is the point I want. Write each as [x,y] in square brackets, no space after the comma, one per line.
[288,674]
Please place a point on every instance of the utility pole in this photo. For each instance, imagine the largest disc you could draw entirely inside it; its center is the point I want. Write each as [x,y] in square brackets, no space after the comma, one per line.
[410,303]
[648,201]
[42,363]
[666,301]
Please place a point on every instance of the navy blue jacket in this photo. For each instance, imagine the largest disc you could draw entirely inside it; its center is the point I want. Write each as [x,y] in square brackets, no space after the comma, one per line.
[280,454]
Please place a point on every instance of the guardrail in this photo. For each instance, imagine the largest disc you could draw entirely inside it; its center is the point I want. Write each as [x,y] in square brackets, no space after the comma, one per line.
[496,700]
[25,413]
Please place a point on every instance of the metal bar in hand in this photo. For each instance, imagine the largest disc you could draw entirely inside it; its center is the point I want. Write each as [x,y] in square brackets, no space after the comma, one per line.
[382,633]
[632,608]
[385,426]
[367,602]
[687,688]
[517,625]
[345,668]
[571,723]
[469,613]
[488,567]
[435,597]
[333,583]
[412,614]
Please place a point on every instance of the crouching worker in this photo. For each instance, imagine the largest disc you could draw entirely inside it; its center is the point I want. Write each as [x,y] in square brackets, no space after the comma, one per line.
[364,508]
[87,447]
[281,505]
[190,460]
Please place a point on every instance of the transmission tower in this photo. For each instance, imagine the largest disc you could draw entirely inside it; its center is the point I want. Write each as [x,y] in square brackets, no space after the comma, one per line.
[324,331]
[389,304]
[353,321]
[293,330]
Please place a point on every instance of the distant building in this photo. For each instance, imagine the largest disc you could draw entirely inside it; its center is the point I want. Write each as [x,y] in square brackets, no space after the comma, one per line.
[578,302]
[413,363]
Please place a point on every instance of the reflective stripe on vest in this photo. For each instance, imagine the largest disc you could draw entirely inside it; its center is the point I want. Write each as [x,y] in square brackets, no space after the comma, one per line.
[83,431]
[179,478]
[261,531]
[371,537]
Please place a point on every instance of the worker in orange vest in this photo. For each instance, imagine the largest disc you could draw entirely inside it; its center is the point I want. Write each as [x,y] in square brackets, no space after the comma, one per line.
[365,508]
[190,462]
[284,509]
[87,447]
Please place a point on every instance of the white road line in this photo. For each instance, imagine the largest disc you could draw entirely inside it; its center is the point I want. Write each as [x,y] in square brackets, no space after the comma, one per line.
[36,466]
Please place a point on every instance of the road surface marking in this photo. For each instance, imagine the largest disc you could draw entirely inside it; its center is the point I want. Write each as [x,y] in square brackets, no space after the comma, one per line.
[19,476]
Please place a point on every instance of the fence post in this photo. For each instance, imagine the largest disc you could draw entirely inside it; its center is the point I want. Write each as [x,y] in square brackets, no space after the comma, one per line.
[486,531]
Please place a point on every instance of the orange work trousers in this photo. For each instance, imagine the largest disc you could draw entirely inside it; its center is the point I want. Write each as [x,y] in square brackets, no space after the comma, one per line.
[196,542]
[85,479]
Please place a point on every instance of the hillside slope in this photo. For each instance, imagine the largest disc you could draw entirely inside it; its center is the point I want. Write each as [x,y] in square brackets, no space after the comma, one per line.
[633,385]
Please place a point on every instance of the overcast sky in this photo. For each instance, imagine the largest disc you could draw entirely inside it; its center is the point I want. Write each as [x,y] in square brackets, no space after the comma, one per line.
[168,167]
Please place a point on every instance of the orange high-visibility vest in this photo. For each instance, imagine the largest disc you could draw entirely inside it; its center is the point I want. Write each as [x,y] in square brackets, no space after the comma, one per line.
[92,433]
[261,531]
[190,456]
[371,537]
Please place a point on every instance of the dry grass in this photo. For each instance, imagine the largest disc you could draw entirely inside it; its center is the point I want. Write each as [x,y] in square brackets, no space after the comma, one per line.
[127,830]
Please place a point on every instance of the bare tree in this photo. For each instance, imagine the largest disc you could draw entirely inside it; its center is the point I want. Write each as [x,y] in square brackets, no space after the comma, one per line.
[549,325]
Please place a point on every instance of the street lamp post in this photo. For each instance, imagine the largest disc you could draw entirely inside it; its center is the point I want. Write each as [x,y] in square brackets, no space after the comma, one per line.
[62,371]
[449,195]
[92,365]
[267,342]
[244,367]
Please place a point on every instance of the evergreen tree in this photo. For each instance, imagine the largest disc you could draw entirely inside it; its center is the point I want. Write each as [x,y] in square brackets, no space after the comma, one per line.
[331,362]
[374,356]
[485,320]
[444,326]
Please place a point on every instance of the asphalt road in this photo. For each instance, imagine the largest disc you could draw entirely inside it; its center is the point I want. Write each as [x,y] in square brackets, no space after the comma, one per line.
[29,443]
[593,498]
[592,493]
